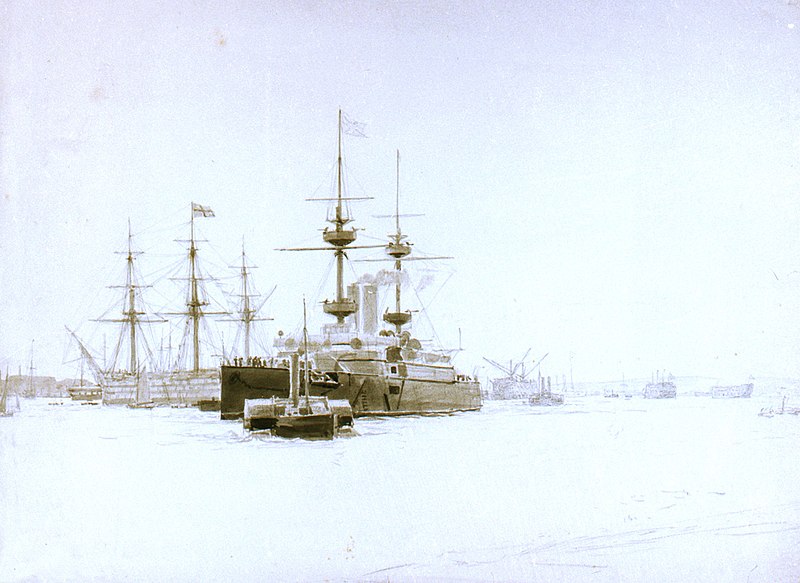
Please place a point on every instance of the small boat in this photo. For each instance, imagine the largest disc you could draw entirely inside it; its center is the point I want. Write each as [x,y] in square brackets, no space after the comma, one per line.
[784,410]
[208,404]
[732,391]
[142,400]
[307,418]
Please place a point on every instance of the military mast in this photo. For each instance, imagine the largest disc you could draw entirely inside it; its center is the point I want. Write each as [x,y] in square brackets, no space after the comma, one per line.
[398,249]
[340,239]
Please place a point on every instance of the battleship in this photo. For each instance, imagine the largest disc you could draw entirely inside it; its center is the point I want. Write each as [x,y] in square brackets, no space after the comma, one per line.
[379,370]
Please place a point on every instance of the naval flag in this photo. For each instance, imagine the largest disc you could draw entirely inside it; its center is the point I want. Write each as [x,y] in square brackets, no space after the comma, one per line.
[199,210]
[353,128]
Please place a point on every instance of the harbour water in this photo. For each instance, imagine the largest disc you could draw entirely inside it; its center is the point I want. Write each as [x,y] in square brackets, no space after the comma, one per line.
[598,489]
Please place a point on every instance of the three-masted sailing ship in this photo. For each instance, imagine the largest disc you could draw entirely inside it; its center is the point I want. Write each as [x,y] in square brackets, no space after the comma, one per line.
[379,372]
[179,380]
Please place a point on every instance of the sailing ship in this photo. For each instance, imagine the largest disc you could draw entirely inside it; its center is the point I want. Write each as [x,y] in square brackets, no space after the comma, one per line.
[732,391]
[660,387]
[192,382]
[182,381]
[379,372]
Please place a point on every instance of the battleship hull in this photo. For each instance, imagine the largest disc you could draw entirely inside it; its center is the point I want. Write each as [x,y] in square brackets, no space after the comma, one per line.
[368,394]
[241,383]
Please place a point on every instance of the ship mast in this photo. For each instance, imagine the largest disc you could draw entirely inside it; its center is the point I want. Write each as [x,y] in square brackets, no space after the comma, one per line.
[398,249]
[248,313]
[31,386]
[307,373]
[341,239]
[131,315]
[195,303]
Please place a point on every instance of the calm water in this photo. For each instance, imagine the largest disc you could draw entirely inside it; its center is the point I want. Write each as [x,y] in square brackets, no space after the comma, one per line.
[596,490]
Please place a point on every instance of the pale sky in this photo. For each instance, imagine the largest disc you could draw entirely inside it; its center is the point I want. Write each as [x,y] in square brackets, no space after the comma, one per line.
[618,182]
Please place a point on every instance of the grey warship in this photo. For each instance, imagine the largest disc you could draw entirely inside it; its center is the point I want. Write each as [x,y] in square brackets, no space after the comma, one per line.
[380,372]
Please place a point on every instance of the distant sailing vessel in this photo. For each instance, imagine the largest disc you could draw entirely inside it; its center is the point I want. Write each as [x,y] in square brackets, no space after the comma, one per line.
[660,388]
[386,372]
[732,391]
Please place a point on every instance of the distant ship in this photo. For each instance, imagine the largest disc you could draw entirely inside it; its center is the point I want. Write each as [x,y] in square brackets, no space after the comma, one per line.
[515,384]
[6,409]
[84,391]
[660,388]
[379,372]
[732,391]
[544,396]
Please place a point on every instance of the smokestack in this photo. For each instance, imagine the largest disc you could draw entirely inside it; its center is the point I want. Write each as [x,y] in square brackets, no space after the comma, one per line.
[369,309]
